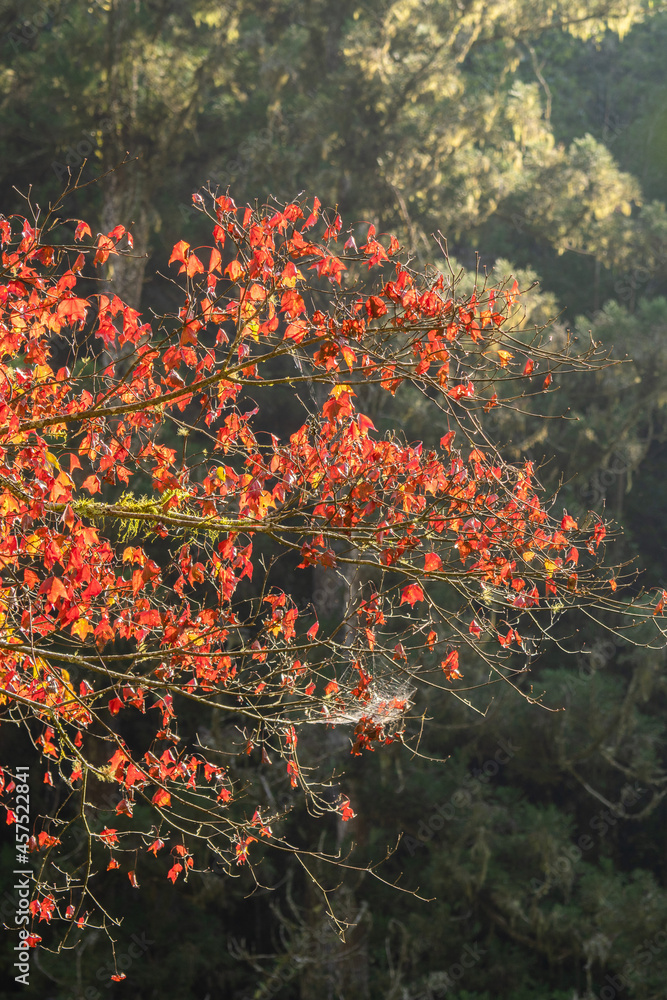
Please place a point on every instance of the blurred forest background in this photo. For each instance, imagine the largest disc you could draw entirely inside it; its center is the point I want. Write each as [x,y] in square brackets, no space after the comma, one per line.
[533,135]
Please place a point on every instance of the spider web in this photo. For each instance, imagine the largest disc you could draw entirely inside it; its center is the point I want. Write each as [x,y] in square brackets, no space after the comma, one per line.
[384,701]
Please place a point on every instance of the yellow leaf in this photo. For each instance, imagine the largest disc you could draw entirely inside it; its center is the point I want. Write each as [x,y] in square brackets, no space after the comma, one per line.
[81,628]
[290,276]
[8,504]
[253,329]
[42,372]
[33,545]
[339,389]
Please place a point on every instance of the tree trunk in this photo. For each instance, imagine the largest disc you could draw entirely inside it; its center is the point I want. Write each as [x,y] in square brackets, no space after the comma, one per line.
[125,185]
[124,203]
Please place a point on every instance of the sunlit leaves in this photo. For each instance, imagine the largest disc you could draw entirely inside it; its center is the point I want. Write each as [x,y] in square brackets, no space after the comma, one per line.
[411,594]
[143,567]
[450,665]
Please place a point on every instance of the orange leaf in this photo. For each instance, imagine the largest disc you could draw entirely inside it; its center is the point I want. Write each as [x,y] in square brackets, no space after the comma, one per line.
[72,311]
[446,441]
[92,484]
[82,229]
[234,271]
[450,665]
[346,811]
[194,266]
[411,594]
[432,562]
[174,872]
[179,252]
[56,591]
[215,261]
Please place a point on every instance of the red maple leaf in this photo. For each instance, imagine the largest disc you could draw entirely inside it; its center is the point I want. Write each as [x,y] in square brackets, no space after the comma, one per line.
[450,665]
[412,594]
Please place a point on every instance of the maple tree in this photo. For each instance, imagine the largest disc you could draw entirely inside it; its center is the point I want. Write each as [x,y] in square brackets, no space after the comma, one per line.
[139,580]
